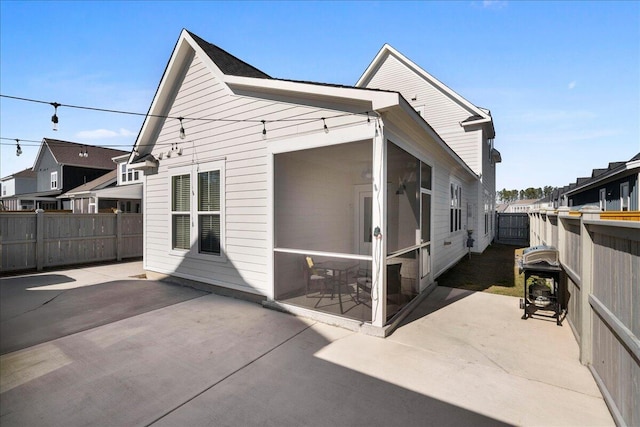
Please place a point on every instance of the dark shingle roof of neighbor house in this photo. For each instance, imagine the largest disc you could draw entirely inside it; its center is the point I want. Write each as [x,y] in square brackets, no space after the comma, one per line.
[228,63]
[26,173]
[598,174]
[67,152]
[103,181]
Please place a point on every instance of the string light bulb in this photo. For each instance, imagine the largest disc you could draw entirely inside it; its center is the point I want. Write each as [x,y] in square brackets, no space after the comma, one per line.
[368,118]
[83,152]
[264,129]
[18,149]
[326,129]
[182,134]
[54,118]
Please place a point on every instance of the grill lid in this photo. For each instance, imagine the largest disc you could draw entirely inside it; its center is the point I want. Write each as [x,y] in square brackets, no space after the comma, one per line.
[540,254]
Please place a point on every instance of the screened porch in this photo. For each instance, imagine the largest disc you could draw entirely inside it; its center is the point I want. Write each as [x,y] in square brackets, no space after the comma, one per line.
[325,241]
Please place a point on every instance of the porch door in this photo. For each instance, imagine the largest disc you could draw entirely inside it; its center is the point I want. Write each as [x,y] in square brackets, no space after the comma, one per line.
[425,239]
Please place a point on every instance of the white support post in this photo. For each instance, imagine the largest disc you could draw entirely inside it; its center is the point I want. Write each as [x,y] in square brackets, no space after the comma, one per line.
[379,239]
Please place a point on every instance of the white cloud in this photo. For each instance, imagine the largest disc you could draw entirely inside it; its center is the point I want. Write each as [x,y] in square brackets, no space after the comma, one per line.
[103,133]
[572,85]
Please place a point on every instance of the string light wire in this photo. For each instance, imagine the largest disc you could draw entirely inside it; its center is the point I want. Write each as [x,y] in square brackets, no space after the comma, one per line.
[215,119]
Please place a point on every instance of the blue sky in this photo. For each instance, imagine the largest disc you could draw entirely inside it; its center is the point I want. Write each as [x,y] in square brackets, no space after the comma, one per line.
[562,79]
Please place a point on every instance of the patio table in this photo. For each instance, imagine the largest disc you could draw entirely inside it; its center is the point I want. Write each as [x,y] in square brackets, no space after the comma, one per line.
[339,274]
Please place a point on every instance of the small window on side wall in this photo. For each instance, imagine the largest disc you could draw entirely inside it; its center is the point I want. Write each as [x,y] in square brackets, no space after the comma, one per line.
[455,217]
[197,223]
[54,180]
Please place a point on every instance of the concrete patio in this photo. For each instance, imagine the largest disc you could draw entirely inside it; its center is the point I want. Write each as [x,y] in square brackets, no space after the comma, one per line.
[194,359]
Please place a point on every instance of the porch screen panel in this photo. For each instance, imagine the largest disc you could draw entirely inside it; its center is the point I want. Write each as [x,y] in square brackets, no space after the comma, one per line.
[209,231]
[403,199]
[180,211]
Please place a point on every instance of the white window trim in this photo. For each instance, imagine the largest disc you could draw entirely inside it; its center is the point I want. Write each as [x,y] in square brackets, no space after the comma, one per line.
[192,171]
[457,204]
[54,180]
[123,175]
[625,203]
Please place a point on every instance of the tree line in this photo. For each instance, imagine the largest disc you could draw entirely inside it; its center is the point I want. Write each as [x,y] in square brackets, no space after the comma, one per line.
[507,196]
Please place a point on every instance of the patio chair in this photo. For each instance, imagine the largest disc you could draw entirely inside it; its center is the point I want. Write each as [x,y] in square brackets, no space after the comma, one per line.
[394,281]
[316,277]
[363,282]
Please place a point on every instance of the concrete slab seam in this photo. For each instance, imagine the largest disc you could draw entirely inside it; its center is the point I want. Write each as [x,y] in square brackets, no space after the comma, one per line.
[251,362]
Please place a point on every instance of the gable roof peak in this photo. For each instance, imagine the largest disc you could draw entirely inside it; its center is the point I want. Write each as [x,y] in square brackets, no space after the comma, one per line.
[66,152]
[228,63]
[388,50]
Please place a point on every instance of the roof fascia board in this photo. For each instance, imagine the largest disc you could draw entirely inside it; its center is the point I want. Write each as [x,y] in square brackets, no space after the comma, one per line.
[378,99]
[183,52]
[41,153]
[389,50]
[476,122]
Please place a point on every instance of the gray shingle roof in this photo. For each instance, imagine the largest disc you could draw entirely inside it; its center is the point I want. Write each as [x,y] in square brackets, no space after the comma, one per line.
[228,63]
[26,173]
[67,152]
[107,179]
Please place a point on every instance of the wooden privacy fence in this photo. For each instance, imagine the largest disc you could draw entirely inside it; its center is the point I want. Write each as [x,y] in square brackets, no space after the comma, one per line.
[36,240]
[512,228]
[601,259]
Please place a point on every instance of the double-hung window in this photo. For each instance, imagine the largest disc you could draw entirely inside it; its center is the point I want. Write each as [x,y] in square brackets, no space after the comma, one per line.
[181,212]
[54,180]
[455,218]
[197,210]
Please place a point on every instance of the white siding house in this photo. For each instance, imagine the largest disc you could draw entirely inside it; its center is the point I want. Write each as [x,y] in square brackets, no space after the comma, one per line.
[321,199]
[467,129]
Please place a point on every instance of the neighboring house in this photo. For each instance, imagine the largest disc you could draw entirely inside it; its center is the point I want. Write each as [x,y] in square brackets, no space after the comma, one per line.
[544,203]
[467,129]
[119,189]
[287,189]
[614,188]
[22,182]
[61,166]
[521,206]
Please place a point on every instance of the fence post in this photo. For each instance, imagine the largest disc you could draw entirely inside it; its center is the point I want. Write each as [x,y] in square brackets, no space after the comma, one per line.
[118,235]
[563,212]
[586,283]
[39,239]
